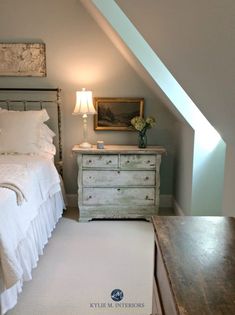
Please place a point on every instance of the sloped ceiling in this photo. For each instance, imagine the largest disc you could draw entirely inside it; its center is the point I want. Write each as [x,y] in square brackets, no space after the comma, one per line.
[196,41]
[131,58]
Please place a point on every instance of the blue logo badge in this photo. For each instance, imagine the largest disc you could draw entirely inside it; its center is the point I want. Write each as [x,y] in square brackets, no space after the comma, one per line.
[117,295]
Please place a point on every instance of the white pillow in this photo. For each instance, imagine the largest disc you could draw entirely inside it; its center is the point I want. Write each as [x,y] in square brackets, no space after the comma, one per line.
[20,130]
[46,147]
[46,133]
[43,115]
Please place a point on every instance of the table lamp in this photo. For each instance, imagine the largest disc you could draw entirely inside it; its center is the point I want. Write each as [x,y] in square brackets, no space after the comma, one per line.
[84,106]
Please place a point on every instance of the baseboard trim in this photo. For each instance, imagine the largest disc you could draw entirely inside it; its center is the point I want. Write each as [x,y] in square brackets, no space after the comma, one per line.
[177,208]
[166,201]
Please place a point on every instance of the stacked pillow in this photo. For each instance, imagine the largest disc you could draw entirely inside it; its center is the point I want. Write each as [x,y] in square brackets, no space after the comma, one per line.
[25,132]
[46,141]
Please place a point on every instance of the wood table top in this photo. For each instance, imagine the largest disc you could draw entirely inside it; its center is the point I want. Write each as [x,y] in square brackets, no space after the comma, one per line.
[115,149]
[199,257]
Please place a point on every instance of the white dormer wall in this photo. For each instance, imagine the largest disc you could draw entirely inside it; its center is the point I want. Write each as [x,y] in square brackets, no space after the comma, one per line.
[207,185]
[196,40]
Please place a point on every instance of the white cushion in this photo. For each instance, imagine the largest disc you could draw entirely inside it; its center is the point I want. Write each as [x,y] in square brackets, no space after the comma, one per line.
[46,133]
[46,147]
[20,130]
[42,114]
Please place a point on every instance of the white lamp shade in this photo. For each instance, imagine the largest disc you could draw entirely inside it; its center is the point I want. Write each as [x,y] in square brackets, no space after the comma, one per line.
[84,103]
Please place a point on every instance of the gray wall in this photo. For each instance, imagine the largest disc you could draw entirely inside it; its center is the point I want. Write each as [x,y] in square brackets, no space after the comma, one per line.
[229,197]
[196,41]
[80,55]
[184,169]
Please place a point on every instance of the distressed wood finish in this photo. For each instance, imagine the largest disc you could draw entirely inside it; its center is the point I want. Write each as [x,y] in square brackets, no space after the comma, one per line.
[122,178]
[118,182]
[138,161]
[119,196]
[100,160]
[120,149]
[194,266]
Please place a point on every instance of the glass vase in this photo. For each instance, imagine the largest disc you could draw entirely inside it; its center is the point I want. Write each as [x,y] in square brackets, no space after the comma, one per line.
[142,140]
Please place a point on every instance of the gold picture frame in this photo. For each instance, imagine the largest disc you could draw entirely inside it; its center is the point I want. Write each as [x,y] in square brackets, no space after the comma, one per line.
[114,113]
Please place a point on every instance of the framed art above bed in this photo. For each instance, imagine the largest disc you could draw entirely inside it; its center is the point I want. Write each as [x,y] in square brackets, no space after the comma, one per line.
[23,60]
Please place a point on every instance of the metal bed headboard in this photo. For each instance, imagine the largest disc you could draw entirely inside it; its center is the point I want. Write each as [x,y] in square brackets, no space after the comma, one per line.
[23,99]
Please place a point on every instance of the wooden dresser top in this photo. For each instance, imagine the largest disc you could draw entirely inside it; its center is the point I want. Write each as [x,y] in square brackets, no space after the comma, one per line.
[199,257]
[115,149]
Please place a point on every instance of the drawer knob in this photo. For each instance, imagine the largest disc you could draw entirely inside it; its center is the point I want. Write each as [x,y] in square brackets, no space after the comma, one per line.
[118,172]
[146,178]
[109,162]
[118,189]
[147,198]
[148,161]
[89,197]
[128,161]
[89,161]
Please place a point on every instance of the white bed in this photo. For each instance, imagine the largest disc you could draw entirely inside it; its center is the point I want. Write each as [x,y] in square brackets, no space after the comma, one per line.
[30,207]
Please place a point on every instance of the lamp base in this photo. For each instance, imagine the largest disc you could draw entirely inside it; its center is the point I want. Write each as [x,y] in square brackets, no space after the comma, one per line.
[85,145]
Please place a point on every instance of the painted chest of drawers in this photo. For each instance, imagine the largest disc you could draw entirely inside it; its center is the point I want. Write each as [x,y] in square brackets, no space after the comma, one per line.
[118,181]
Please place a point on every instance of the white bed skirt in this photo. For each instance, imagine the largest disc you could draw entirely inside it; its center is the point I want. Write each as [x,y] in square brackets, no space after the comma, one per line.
[31,247]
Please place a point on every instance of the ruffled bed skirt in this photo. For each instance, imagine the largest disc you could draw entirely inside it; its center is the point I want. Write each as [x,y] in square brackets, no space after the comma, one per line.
[30,248]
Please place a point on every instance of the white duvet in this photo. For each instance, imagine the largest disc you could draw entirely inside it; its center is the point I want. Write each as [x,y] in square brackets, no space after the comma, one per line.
[39,180]
[15,177]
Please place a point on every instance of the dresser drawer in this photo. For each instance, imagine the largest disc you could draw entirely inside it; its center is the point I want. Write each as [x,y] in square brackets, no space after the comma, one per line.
[135,161]
[107,161]
[118,178]
[119,196]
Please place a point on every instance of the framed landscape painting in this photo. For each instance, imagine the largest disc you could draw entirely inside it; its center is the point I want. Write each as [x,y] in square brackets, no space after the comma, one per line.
[116,113]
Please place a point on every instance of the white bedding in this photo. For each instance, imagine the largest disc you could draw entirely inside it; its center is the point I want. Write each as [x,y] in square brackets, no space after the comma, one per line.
[43,183]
